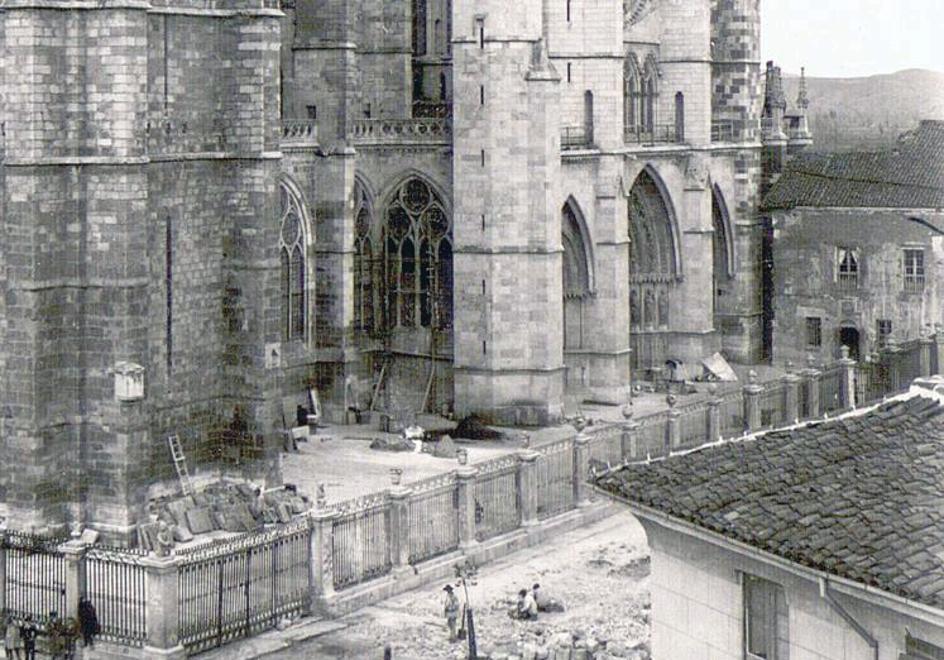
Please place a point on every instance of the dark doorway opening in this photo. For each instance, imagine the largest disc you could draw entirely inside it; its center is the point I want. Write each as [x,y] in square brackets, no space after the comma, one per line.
[849,337]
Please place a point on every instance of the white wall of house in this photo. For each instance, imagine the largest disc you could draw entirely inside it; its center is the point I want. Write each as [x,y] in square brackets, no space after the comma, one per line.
[697,608]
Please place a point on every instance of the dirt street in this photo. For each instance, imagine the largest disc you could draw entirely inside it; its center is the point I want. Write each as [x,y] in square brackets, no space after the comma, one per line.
[599,572]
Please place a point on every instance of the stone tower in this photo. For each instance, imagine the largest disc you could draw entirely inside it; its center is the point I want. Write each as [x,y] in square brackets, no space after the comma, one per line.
[138,171]
[506,170]
[737,102]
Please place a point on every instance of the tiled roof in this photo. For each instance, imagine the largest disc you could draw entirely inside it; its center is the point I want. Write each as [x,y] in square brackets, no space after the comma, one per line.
[859,497]
[910,176]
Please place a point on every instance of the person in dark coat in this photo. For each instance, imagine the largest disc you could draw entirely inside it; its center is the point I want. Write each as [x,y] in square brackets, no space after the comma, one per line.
[88,622]
[28,635]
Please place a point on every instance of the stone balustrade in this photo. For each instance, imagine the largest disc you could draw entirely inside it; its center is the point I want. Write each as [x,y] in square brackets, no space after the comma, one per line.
[299,132]
[400,131]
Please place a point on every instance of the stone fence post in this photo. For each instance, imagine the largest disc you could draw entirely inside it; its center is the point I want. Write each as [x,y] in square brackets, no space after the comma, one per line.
[322,563]
[3,571]
[629,440]
[847,369]
[527,487]
[581,470]
[890,355]
[714,414]
[465,484]
[791,383]
[938,349]
[162,604]
[74,553]
[400,527]
[926,343]
[752,392]
[812,376]
[673,426]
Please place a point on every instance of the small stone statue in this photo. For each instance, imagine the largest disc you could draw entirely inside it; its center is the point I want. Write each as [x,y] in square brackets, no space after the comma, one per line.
[165,540]
[321,498]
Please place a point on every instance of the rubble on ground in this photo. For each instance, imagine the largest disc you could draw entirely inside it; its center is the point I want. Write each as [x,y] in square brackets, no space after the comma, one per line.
[392,443]
[473,427]
[225,506]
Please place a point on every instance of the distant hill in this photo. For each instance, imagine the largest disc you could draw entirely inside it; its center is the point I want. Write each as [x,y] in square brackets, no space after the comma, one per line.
[868,113]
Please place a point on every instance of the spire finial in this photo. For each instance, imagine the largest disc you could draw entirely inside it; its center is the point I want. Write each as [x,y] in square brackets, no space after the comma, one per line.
[803,99]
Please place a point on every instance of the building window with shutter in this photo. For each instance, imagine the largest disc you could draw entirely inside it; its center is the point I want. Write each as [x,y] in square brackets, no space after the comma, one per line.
[914,270]
[883,329]
[814,332]
[766,620]
[848,270]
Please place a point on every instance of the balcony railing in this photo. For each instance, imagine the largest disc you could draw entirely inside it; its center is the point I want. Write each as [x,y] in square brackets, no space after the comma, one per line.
[657,134]
[722,131]
[399,131]
[431,110]
[299,131]
[575,137]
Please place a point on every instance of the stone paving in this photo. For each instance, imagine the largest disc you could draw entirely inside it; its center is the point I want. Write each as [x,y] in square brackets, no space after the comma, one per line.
[340,456]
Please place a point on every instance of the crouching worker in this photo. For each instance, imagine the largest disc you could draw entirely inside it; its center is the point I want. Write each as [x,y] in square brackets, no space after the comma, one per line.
[526,608]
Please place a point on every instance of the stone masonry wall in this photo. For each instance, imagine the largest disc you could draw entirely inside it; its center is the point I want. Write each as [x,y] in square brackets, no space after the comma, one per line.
[125,120]
[805,275]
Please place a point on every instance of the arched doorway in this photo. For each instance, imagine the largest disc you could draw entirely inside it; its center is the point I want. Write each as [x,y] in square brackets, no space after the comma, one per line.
[849,337]
[654,268]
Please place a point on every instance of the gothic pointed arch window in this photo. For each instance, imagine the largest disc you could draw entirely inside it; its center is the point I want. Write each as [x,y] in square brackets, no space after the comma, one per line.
[650,94]
[653,259]
[418,258]
[576,277]
[632,96]
[292,263]
[364,267]
[652,243]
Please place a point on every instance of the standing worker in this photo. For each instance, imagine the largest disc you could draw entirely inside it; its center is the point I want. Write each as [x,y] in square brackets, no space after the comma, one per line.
[451,612]
[12,641]
[88,622]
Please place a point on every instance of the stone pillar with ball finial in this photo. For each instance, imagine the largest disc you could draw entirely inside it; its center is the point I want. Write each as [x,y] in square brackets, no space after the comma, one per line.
[847,367]
[791,395]
[714,413]
[322,541]
[673,427]
[752,412]
[630,437]
[465,487]
[399,523]
[812,376]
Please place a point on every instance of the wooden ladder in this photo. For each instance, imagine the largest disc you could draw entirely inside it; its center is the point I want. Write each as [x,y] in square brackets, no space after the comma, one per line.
[180,463]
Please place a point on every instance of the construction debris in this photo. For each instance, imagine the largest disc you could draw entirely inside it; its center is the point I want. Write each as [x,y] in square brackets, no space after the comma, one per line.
[473,427]
[230,507]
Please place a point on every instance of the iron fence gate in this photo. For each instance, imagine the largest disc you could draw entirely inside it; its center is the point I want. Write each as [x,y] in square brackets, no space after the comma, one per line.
[554,480]
[497,507]
[115,584]
[234,590]
[35,576]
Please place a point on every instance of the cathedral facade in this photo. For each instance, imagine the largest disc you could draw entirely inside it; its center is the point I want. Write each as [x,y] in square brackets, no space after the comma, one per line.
[443,205]
[518,203]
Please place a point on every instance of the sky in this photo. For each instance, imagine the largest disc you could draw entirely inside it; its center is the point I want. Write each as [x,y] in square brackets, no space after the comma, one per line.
[849,38]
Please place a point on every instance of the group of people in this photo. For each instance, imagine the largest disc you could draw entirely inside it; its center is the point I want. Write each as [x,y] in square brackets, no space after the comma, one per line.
[19,640]
[527,607]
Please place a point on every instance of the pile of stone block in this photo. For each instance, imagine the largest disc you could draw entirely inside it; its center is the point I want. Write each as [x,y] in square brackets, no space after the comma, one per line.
[224,506]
